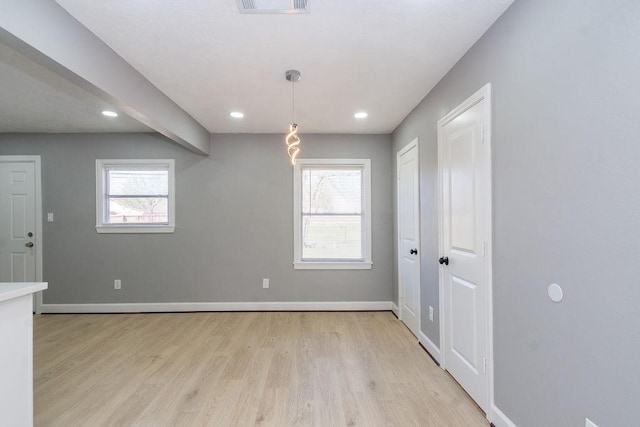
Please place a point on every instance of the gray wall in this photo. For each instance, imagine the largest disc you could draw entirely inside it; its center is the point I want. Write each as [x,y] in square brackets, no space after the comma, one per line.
[233,222]
[566,179]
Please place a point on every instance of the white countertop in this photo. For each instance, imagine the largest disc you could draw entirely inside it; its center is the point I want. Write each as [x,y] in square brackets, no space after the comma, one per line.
[14,290]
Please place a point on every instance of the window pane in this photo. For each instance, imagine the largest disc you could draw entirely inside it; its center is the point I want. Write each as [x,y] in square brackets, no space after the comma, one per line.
[335,191]
[138,182]
[331,237]
[137,210]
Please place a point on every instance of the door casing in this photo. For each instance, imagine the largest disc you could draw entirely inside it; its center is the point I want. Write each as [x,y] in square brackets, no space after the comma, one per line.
[38,217]
[484,94]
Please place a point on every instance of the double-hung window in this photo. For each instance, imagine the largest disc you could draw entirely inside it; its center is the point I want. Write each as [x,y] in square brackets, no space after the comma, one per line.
[332,214]
[135,196]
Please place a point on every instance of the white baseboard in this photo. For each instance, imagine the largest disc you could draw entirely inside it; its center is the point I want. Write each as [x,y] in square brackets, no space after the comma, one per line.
[499,419]
[433,349]
[219,306]
[395,309]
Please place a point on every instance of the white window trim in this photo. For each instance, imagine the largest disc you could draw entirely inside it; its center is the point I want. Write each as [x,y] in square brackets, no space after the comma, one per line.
[101,227]
[298,263]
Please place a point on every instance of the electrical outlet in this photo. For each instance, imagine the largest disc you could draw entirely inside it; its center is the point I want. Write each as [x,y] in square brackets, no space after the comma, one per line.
[50,217]
[589,423]
[117,284]
[431,313]
[265,283]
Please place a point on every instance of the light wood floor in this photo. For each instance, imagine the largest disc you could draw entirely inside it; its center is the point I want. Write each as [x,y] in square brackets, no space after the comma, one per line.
[240,369]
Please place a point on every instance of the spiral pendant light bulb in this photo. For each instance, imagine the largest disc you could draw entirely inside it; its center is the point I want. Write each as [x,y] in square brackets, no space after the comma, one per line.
[293,142]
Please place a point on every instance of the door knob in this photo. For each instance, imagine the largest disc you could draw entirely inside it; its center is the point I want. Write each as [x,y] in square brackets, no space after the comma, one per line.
[29,244]
[413,252]
[444,260]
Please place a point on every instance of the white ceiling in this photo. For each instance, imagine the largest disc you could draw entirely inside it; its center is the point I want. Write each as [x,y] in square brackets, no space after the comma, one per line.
[379,56]
[34,99]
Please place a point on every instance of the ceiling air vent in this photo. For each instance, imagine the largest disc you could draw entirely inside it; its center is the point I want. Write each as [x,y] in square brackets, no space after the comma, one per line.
[273,6]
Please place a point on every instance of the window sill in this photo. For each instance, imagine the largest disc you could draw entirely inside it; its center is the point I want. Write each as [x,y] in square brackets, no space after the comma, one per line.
[311,265]
[134,229]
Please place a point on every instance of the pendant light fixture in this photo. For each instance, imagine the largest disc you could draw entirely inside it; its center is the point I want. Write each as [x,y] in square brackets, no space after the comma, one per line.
[292,140]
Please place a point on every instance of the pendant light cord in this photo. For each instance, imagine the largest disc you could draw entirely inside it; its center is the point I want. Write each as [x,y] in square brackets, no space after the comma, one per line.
[293,100]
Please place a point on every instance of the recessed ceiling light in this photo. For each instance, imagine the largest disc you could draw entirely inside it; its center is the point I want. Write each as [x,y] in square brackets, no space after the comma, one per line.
[360,115]
[236,114]
[109,113]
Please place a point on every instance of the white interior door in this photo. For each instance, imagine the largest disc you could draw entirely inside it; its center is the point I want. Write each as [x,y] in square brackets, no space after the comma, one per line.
[18,236]
[464,163]
[409,236]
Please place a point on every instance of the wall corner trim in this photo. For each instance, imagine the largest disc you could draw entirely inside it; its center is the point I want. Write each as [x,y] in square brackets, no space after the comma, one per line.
[499,419]
[395,309]
[429,345]
[219,306]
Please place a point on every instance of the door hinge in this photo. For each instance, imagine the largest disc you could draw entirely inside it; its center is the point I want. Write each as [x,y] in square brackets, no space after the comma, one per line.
[484,365]
[484,248]
[482,133]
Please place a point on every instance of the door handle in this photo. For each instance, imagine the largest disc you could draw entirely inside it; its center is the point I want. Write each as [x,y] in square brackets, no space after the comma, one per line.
[413,251]
[444,260]
[29,244]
